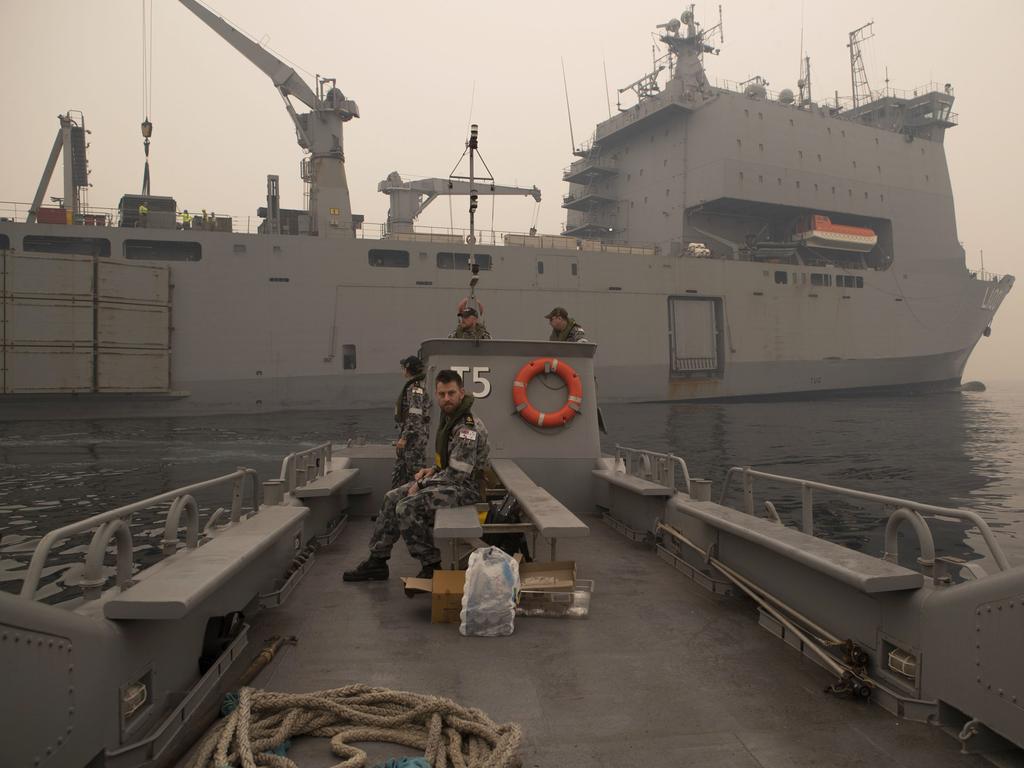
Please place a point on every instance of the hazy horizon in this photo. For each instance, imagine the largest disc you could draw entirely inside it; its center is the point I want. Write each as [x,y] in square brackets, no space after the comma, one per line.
[421,72]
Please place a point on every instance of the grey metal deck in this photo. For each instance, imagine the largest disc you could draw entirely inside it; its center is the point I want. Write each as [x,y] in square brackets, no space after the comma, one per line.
[659,674]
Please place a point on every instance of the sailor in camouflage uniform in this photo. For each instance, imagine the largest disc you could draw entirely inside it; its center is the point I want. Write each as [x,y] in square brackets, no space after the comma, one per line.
[564,328]
[470,325]
[412,415]
[460,459]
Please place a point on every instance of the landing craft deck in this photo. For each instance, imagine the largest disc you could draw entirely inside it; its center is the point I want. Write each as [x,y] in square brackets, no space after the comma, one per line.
[659,673]
[657,670]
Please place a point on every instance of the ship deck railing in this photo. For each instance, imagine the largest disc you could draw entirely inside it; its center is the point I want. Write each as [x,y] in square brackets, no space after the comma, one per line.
[899,511]
[115,525]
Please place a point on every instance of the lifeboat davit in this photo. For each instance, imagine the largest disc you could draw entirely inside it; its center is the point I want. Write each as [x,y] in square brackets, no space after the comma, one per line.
[822,233]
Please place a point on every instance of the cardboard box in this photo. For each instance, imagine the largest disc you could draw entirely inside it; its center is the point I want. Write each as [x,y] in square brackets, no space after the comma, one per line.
[445,591]
[556,575]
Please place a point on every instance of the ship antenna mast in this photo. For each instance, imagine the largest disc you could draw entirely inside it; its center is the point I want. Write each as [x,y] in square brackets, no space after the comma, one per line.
[147,87]
[858,73]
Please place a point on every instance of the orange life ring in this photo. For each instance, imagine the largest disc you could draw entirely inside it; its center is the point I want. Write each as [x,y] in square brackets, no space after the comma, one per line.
[565,372]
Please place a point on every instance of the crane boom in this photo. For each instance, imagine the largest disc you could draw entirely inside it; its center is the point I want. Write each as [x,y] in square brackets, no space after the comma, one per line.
[410,198]
[319,131]
[283,76]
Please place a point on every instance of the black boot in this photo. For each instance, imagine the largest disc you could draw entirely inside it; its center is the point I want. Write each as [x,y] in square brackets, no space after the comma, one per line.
[427,571]
[372,569]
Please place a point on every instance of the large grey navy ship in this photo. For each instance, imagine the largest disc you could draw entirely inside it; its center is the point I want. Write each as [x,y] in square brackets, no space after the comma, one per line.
[768,244]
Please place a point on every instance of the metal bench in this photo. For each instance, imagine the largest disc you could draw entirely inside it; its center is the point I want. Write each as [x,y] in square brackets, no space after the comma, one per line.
[456,524]
[637,485]
[331,483]
[548,515]
[176,585]
[861,571]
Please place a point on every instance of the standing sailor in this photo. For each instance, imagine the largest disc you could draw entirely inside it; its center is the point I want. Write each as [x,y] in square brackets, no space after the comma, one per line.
[412,415]
[143,214]
[563,327]
[460,459]
[186,219]
[470,326]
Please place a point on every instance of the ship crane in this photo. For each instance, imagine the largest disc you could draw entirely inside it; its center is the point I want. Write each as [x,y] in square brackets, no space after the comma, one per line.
[319,131]
[410,198]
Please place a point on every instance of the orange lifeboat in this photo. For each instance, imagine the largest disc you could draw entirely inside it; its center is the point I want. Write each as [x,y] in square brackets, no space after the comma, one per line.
[822,233]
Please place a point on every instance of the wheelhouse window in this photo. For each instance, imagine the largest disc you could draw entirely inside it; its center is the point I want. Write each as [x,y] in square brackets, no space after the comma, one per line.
[384,257]
[817,278]
[447,260]
[79,246]
[5,242]
[781,278]
[162,250]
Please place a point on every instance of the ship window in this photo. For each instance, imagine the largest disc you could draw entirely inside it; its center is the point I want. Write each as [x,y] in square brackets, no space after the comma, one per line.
[760,179]
[629,176]
[760,115]
[833,190]
[641,171]
[798,185]
[461,260]
[843,133]
[5,242]
[739,142]
[881,197]
[860,282]
[741,175]
[819,157]
[162,250]
[761,147]
[382,257]
[800,152]
[829,130]
[540,267]
[854,163]
[575,269]
[746,112]
[781,278]
[348,357]
[779,179]
[791,123]
[645,199]
[817,278]
[666,193]
[815,187]
[81,246]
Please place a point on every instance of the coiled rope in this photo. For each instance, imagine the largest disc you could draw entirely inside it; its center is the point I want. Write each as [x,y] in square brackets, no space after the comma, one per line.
[448,734]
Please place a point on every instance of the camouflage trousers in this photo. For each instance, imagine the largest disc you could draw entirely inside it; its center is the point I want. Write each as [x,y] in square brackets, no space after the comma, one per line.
[408,462]
[412,518]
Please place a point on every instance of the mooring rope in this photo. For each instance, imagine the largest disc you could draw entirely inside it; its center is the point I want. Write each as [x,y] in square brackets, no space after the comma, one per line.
[448,734]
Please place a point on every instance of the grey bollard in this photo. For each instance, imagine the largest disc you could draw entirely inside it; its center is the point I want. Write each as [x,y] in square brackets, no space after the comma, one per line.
[700,489]
[273,492]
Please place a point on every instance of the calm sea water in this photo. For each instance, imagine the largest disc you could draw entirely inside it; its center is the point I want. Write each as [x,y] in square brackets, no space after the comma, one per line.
[953,449]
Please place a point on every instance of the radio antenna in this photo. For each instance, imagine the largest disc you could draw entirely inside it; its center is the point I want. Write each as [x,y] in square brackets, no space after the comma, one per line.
[568,111]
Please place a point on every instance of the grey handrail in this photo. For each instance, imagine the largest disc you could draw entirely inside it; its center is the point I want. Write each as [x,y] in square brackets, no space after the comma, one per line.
[807,488]
[123,514]
[657,467]
[318,457]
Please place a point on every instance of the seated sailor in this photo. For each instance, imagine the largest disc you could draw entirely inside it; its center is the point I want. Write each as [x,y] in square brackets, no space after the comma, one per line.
[563,327]
[460,459]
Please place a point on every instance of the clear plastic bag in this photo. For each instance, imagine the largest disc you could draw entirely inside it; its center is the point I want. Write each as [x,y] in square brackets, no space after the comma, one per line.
[489,597]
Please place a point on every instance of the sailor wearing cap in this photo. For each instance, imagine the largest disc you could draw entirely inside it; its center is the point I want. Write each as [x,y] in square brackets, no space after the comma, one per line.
[470,325]
[412,415]
[563,327]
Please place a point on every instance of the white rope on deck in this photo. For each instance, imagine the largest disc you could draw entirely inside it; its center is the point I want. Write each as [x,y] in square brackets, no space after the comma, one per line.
[449,734]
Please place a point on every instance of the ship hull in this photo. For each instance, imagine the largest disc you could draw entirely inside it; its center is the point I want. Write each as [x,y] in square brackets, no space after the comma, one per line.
[264,323]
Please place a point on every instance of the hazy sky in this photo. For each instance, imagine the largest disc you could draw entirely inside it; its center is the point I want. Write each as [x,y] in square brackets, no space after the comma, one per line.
[416,69]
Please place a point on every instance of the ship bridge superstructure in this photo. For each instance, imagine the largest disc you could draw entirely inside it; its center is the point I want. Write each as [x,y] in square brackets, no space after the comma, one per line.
[742,171]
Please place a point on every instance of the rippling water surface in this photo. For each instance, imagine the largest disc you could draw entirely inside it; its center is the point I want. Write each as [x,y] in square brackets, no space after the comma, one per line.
[953,449]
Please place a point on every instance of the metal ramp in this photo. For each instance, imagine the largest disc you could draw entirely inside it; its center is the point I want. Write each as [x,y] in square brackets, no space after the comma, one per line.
[78,324]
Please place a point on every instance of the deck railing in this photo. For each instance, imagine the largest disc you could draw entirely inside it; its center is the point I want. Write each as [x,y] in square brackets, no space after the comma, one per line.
[116,524]
[661,468]
[899,510]
[301,467]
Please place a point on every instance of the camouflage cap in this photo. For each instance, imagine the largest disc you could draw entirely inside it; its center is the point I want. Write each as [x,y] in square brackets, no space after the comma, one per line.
[557,312]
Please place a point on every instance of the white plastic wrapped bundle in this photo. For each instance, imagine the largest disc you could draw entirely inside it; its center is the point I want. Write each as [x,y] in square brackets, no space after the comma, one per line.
[489,598]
